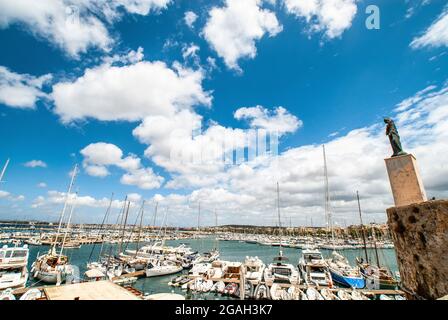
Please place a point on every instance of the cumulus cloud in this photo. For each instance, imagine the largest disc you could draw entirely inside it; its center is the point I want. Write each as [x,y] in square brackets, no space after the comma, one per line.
[35,164]
[332,17]
[190,18]
[232,30]
[74,26]
[21,90]
[245,193]
[436,35]
[9,196]
[42,185]
[99,156]
[57,198]
[280,120]
[145,88]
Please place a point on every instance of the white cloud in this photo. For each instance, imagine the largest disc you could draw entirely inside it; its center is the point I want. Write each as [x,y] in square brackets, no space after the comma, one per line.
[35,164]
[280,120]
[130,57]
[74,32]
[190,18]
[8,196]
[72,25]
[145,88]
[134,197]
[191,52]
[233,30]
[436,35]
[4,194]
[58,198]
[97,171]
[21,90]
[332,17]
[190,158]
[99,156]
[144,178]
[42,185]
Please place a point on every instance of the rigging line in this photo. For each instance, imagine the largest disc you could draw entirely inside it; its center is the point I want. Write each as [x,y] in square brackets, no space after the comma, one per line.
[134,225]
[72,181]
[112,247]
[101,228]
[140,230]
[67,227]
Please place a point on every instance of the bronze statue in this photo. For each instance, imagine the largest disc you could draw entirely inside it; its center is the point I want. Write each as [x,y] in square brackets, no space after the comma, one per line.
[394,138]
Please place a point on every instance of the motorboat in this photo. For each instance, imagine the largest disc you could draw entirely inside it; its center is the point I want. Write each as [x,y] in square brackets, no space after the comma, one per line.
[314,269]
[281,272]
[13,267]
[253,269]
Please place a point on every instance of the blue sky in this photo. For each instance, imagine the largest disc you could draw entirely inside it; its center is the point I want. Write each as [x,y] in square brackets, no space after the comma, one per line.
[334,78]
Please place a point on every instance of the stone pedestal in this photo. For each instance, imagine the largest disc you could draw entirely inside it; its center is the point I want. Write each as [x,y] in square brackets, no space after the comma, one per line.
[405,181]
[420,235]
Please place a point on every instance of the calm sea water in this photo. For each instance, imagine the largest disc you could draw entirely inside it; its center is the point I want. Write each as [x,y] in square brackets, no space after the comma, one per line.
[230,250]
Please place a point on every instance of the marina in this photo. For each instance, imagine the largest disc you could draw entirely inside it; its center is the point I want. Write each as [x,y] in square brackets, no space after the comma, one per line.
[230,251]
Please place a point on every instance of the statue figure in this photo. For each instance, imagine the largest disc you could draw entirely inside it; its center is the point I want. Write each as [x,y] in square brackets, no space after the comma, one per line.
[394,138]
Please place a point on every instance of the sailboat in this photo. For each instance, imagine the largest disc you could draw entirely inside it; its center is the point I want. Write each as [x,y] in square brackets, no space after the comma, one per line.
[279,271]
[54,267]
[340,269]
[312,265]
[376,277]
[212,255]
[158,265]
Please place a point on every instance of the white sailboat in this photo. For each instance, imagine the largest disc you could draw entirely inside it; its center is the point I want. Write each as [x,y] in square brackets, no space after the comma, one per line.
[54,267]
[159,265]
[279,271]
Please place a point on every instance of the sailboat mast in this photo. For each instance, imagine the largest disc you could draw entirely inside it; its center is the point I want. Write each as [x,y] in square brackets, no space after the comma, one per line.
[278,212]
[67,227]
[374,245]
[124,226]
[216,224]
[155,215]
[199,215]
[141,225]
[72,181]
[362,228]
[4,170]
[328,216]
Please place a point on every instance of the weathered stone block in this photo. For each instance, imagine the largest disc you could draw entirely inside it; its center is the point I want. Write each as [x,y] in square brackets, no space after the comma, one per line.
[405,181]
[420,235]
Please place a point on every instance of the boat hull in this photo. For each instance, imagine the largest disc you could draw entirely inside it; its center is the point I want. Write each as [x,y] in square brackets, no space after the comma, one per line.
[157,272]
[349,282]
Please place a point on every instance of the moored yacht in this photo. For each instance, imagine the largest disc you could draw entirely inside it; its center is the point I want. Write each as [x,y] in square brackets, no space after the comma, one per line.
[161,268]
[253,269]
[281,272]
[13,267]
[314,269]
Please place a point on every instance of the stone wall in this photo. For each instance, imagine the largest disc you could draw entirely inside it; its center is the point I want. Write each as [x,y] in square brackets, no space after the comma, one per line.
[420,235]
